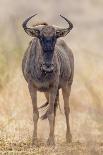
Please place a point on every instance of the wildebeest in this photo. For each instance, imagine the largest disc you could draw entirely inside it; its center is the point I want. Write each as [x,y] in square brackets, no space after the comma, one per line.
[47,66]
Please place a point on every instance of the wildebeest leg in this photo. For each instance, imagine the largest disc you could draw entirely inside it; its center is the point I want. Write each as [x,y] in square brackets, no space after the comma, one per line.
[51,116]
[33,94]
[66,94]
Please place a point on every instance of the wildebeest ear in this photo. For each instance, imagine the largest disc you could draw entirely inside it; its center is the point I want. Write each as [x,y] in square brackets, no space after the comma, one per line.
[61,33]
[32,32]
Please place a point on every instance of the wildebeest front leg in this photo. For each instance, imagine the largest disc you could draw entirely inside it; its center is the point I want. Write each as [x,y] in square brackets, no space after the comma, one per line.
[66,94]
[33,94]
[51,116]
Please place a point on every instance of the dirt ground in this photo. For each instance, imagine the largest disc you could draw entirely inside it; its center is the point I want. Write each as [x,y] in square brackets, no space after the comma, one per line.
[61,148]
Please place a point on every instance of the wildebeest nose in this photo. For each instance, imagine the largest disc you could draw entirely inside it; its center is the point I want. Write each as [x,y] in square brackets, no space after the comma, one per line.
[47,67]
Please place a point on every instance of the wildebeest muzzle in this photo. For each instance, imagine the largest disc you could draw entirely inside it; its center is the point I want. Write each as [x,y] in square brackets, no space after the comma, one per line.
[47,67]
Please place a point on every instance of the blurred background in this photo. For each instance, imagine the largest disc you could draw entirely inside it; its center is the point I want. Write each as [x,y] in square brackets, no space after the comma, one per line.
[86,42]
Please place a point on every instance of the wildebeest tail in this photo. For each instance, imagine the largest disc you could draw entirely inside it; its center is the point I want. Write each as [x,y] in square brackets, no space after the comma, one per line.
[44,116]
[44,105]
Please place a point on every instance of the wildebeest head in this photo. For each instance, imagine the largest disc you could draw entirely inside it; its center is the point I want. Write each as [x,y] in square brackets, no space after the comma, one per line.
[47,36]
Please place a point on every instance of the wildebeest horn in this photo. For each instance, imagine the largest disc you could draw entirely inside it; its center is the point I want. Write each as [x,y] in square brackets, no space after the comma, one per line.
[30,31]
[63,32]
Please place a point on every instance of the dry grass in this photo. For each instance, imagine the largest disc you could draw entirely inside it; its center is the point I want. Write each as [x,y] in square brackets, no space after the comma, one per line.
[75,148]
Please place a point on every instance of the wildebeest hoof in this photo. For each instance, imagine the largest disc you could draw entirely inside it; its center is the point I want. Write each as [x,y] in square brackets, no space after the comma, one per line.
[34,142]
[50,141]
[68,138]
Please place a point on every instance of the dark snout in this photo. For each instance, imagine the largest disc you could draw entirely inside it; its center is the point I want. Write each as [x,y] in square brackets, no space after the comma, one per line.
[47,67]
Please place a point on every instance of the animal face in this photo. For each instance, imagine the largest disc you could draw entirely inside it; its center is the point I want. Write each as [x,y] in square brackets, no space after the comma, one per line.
[47,40]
